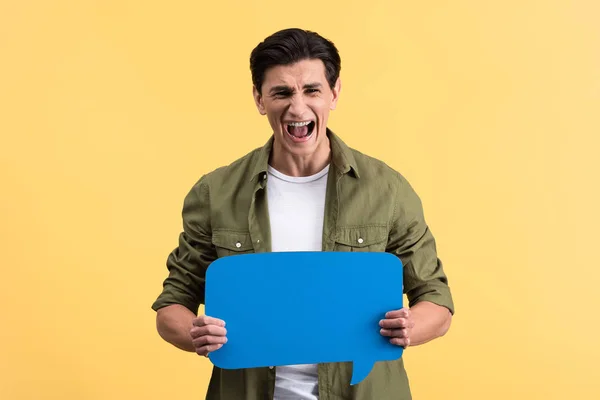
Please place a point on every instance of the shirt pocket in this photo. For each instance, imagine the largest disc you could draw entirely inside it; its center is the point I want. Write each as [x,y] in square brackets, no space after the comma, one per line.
[229,243]
[372,238]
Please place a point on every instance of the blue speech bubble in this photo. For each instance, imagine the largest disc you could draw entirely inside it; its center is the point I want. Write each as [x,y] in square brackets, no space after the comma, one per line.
[287,308]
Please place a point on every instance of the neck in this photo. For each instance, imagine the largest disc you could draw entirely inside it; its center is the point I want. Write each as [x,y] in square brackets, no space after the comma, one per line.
[300,165]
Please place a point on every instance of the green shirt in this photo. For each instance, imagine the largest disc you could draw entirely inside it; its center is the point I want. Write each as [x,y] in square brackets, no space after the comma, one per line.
[226,213]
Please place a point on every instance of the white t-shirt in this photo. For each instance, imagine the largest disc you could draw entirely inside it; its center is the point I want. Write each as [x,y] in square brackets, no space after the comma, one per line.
[296,211]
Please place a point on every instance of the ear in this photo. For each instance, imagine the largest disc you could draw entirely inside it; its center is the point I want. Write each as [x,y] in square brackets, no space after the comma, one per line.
[258,99]
[336,93]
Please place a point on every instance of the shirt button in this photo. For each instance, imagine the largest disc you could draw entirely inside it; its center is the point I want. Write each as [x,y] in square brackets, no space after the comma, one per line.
[258,241]
[238,245]
[360,240]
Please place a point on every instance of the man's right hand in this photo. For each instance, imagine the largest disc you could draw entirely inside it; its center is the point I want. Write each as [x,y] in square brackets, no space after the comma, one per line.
[208,334]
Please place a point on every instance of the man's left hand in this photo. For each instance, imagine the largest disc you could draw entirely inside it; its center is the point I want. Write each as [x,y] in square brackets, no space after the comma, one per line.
[398,325]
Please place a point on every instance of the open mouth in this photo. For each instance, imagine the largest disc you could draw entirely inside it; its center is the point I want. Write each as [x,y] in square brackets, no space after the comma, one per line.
[300,131]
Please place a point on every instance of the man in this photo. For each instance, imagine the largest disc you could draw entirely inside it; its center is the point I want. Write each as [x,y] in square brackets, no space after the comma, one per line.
[305,190]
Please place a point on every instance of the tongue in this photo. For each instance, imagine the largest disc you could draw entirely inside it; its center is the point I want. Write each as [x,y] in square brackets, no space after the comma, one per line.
[298,131]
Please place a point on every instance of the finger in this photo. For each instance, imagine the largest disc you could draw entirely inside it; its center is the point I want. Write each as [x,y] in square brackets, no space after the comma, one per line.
[207,340]
[397,333]
[206,320]
[204,350]
[403,342]
[394,323]
[207,330]
[401,313]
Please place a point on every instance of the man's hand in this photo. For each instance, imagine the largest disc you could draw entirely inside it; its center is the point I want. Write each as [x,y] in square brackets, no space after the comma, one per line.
[208,334]
[398,326]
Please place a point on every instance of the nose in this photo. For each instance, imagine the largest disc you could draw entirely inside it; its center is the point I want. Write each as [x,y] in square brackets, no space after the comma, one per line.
[297,107]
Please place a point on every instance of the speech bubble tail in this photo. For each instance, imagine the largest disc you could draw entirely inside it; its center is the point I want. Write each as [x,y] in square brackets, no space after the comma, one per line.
[360,370]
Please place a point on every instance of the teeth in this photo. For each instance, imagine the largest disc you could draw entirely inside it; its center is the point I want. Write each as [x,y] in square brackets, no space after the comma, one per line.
[299,123]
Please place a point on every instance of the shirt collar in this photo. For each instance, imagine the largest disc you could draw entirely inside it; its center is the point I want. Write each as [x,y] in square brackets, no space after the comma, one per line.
[341,155]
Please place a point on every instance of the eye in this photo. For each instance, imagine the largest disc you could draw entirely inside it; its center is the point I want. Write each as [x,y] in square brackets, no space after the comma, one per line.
[312,91]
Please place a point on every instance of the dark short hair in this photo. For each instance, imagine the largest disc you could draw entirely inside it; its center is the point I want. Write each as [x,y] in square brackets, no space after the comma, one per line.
[289,46]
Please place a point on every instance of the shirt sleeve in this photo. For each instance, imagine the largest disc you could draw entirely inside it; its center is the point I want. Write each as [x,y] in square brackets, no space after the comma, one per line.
[412,241]
[188,262]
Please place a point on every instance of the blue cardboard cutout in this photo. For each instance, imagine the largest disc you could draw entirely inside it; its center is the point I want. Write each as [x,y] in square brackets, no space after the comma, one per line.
[287,308]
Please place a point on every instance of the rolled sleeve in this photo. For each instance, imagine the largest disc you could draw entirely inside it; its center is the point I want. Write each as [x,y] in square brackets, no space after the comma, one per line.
[188,262]
[412,241]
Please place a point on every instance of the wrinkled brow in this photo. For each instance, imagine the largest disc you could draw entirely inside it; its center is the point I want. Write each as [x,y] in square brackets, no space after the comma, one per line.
[285,88]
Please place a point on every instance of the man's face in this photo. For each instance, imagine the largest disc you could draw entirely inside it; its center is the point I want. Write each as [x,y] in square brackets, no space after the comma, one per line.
[297,100]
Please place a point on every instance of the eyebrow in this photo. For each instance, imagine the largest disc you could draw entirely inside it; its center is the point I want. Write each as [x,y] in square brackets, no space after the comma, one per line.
[285,88]
[315,85]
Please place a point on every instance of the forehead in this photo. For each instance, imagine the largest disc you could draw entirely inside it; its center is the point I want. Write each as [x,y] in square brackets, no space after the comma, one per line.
[297,74]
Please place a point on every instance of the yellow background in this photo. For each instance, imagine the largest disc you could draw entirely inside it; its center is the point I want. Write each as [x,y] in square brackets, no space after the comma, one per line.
[110,111]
